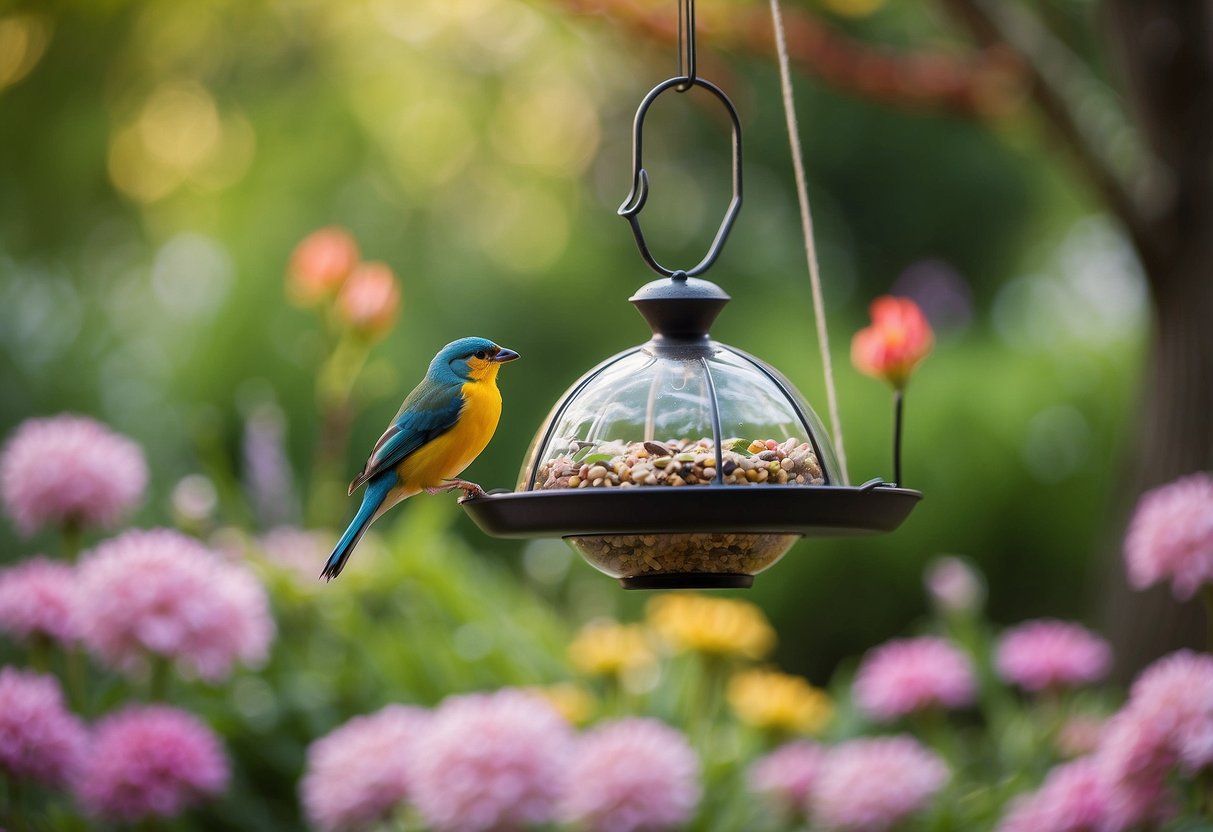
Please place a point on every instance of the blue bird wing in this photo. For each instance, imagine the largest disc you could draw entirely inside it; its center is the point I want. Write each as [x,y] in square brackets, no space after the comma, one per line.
[428,412]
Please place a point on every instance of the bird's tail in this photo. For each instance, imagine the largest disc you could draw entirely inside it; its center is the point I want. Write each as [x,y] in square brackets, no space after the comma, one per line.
[376,493]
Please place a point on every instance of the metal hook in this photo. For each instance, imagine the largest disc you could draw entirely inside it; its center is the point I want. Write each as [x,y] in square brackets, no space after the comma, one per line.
[632,206]
[686,44]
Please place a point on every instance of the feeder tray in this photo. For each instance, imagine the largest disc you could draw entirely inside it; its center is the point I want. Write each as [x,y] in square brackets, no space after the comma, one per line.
[683,462]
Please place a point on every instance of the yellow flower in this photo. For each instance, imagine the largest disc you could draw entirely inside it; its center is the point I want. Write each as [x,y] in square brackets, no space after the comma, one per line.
[711,625]
[571,701]
[770,700]
[608,648]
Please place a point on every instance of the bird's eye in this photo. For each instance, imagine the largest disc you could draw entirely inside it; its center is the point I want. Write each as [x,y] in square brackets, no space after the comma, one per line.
[480,354]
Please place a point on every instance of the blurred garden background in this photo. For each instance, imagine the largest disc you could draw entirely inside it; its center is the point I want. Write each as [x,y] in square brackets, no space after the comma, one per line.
[162,161]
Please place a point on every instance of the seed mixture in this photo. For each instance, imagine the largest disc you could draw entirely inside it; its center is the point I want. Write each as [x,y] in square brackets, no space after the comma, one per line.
[681,462]
[629,555]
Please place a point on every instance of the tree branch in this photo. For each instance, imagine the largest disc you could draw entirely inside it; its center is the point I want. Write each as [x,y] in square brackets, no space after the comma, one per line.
[984,84]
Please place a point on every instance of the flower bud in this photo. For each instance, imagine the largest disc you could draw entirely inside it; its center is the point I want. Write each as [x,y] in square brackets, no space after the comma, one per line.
[369,301]
[320,264]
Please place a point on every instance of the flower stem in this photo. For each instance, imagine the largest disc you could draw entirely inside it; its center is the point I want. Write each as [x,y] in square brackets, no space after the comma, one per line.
[71,540]
[898,410]
[158,683]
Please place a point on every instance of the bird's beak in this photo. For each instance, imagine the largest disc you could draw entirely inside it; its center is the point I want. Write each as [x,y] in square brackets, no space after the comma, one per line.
[504,355]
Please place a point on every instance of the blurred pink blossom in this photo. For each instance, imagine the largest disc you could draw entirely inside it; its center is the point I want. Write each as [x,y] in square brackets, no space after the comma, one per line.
[954,585]
[161,593]
[298,551]
[370,300]
[356,775]
[320,264]
[908,675]
[1175,694]
[1052,654]
[1073,798]
[871,785]
[1171,536]
[1134,758]
[38,599]
[39,738]
[490,761]
[787,775]
[632,775]
[150,761]
[69,469]
[1080,735]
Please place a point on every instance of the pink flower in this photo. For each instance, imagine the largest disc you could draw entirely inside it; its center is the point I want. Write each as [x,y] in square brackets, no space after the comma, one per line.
[298,551]
[161,593]
[490,761]
[1073,798]
[39,738]
[370,300]
[909,675]
[787,775]
[38,599]
[632,775]
[1171,536]
[954,585]
[1052,654]
[69,469]
[1134,758]
[320,264]
[870,785]
[356,776]
[150,761]
[1175,695]
[897,340]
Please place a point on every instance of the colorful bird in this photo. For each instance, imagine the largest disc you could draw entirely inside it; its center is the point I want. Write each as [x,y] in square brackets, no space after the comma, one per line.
[442,426]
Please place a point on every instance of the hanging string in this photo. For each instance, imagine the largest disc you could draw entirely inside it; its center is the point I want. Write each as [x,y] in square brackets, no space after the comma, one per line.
[810,247]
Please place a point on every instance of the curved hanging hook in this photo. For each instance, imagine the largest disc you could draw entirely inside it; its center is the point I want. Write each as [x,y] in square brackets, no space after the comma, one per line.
[634,204]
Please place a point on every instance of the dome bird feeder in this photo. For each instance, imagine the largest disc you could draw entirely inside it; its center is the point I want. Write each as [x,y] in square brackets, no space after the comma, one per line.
[683,462]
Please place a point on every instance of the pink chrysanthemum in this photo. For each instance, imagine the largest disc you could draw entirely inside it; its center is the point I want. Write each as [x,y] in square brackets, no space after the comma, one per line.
[490,761]
[909,675]
[39,738]
[356,775]
[632,775]
[1073,798]
[161,593]
[1134,758]
[151,761]
[38,600]
[69,469]
[870,785]
[1175,695]
[1171,536]
[787,775]
[1052,654]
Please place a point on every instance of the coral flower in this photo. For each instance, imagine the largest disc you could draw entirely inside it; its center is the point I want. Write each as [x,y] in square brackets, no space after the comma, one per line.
[320,264]
[632,775]
[897,340]
[369,300]
[489,761]
[356,776]
[871,785]
[711,625]
[1052,654]
[774,701]
[152,761]
[1171,536]
[38,600]
[607,648]
[69,470]
[160,593]
[910,675]
[39,738]
[786,776]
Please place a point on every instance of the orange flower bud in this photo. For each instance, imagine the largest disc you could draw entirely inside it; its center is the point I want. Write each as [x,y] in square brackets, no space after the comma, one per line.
[370,300]
[320,264]
[897,340]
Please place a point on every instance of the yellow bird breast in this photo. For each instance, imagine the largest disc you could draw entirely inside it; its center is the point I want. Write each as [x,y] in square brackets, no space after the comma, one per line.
[446,456]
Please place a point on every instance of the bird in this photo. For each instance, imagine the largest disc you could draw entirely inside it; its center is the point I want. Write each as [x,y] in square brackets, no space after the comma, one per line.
[444,424]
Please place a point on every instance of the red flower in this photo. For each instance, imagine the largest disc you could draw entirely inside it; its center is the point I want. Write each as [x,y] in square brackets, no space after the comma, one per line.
[320,264]
[897,340]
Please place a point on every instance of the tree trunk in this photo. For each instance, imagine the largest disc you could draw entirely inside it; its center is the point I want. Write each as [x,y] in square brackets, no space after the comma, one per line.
[1165,53]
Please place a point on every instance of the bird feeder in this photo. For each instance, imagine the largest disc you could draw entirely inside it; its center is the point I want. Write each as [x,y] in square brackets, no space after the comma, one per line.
[683,462]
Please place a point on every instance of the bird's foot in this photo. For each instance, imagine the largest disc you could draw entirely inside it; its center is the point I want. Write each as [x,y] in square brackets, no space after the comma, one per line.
[470,489]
